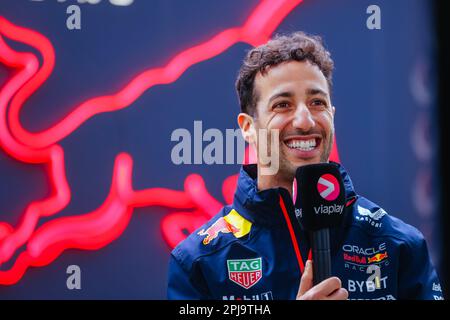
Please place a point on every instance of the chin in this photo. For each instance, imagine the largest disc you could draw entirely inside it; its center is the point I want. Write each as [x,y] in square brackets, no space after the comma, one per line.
[303,162]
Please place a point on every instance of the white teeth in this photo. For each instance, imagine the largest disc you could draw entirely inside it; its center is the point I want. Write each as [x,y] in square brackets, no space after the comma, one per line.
[304,145]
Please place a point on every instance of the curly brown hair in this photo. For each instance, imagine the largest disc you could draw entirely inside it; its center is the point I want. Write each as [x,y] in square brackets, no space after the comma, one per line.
[296,46]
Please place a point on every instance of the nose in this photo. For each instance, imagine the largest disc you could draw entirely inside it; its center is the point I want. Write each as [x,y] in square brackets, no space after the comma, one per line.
[303,118]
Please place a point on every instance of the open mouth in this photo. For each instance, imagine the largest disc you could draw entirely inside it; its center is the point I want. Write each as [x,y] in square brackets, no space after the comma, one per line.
[303,143]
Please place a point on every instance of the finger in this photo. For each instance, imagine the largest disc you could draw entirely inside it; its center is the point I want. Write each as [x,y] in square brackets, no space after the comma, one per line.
[306,282]
[340,294]
[328,286]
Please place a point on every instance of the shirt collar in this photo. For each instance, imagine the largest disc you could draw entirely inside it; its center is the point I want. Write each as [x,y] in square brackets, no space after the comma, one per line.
[264,206]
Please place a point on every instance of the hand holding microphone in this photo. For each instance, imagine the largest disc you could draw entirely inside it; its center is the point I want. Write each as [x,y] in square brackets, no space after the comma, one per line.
[319,200]
[329,289]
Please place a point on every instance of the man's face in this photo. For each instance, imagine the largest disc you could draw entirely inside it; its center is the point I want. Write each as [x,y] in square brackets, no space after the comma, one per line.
[294,98]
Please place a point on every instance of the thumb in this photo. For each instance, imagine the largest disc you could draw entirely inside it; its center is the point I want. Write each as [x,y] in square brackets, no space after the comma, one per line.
[306,281]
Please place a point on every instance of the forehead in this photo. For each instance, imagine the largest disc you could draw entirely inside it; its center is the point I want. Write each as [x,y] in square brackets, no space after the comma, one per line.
[296,76]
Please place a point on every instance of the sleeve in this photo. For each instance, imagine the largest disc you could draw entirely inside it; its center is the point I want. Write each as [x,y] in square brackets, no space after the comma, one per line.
[418,278]
[182,285]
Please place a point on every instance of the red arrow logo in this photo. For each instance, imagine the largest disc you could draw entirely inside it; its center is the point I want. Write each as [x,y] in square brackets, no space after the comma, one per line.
[328,187]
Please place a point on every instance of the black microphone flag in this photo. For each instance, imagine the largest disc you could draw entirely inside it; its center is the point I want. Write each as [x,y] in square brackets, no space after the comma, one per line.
[319,200]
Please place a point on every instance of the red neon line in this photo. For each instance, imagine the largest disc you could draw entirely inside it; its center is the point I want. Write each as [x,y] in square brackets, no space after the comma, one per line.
[293,237]
[176,226]
[195,188]
[99,227]
[262,22]
[53,157]
[228,187]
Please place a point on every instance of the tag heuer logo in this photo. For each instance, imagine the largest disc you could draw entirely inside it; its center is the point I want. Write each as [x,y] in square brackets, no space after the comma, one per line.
[245,272]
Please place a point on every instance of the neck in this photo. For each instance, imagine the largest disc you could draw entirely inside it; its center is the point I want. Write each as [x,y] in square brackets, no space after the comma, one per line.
[273,181]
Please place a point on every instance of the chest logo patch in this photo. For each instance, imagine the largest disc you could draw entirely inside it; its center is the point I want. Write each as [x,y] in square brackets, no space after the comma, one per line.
[245,272]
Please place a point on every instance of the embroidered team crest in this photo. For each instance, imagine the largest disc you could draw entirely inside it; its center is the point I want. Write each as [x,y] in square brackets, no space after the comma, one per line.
[245,272]
[233,222]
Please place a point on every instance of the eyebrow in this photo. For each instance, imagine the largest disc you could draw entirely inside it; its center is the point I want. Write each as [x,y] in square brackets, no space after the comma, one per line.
[285,94]
[316,91]
[289,94]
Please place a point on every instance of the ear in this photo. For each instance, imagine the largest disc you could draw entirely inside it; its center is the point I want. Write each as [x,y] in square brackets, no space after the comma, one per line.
[247,126]
[333,109]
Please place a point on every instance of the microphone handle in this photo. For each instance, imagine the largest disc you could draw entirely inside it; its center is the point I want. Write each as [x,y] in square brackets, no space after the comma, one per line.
[321,255]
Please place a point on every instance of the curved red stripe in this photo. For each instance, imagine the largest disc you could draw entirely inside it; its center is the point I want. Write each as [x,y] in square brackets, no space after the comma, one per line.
[101,226]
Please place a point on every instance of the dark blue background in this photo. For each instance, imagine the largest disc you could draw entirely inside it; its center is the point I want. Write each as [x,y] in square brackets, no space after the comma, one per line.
[375,116]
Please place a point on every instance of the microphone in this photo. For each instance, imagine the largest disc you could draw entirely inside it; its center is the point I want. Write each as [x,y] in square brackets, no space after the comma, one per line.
[319,201]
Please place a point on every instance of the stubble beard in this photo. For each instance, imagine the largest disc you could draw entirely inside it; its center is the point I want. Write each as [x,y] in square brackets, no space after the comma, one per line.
[287,169]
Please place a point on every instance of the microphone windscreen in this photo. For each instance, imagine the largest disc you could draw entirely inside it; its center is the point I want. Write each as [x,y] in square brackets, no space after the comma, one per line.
[319,196]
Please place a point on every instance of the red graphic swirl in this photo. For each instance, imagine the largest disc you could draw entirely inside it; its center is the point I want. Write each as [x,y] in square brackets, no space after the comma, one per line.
[94,230]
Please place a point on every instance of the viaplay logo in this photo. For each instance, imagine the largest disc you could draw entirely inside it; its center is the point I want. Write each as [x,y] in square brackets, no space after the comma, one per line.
[328,187]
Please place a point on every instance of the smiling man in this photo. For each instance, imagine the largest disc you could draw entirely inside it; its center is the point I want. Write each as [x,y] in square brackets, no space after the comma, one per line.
[254,248]
[298,107]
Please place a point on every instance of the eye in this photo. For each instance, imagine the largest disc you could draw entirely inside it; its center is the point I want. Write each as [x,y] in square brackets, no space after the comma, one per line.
[319,102]
[281,105]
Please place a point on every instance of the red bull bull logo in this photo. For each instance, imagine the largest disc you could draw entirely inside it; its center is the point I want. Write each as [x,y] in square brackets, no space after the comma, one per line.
[355,258]
[378,257]
[220,226]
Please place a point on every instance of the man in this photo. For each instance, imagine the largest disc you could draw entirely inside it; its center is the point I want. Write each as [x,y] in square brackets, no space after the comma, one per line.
[254,248]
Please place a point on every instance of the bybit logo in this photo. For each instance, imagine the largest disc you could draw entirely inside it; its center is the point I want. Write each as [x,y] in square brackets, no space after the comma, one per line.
[328,187]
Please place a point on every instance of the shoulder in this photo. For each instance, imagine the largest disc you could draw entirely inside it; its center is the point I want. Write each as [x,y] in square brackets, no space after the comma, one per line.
[225,228]
[375,221]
